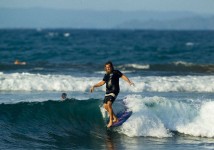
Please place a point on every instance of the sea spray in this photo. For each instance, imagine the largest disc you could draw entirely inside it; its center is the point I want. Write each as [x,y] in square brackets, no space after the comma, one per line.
[202,125]
[158,116]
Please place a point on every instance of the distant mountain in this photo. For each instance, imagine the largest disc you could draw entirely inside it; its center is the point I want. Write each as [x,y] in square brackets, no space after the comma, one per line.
[54,18]
[191,23]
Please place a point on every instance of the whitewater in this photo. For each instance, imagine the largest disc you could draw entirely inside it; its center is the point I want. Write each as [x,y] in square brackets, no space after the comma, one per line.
[162,117]
[40,82]
[158,116]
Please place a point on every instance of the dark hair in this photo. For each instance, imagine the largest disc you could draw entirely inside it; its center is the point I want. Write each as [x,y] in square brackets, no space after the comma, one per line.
[64,95]
[110,63]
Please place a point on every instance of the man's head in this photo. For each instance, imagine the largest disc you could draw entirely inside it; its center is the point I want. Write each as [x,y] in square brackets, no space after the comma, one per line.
[109,67]
[64,96]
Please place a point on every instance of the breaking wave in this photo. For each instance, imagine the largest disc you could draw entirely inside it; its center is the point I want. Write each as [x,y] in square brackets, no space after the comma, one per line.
[39,82]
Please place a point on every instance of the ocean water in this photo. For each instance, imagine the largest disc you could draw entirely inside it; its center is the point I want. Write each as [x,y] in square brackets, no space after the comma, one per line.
[172,100]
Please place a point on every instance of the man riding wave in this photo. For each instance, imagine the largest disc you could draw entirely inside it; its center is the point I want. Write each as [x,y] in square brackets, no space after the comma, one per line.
[111,79]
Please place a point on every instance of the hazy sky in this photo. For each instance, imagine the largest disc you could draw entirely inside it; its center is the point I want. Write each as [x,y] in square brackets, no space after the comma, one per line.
[198,6]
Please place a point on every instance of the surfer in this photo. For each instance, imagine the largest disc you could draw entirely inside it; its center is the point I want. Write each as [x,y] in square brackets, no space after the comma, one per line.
[17,62]
[111,79]
[64,96]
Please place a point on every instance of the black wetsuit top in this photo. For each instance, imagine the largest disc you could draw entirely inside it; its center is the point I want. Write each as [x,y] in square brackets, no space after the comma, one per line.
[112,82]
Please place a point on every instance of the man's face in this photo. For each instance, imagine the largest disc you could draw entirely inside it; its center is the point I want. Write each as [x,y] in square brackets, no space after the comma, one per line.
[108,68]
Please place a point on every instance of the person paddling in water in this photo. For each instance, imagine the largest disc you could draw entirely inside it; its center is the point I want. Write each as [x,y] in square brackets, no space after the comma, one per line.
[111,79]
[64,96]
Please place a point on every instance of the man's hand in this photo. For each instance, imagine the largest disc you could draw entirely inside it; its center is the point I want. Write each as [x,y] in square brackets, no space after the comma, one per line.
[131,84]
[92,89]
[97,85]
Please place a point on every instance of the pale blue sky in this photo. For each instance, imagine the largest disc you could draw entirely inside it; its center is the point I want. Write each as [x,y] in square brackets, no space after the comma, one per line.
[197,6]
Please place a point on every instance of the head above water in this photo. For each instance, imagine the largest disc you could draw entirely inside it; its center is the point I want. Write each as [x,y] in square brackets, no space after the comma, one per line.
[64,95]
[109,67]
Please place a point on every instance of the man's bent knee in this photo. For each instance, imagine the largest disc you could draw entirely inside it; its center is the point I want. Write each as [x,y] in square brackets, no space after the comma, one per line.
[109,103]
[105,106]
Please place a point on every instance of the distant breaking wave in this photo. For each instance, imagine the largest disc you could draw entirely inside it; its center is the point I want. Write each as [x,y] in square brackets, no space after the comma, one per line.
[39,82]
[178,66]
[134,66]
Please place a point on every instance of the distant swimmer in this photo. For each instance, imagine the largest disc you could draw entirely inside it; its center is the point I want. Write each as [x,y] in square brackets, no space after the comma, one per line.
[64,96]
[17,62]
[111,79]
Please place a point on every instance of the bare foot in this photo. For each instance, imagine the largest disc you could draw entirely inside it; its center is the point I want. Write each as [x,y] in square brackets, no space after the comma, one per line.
[109,124]
[115,120]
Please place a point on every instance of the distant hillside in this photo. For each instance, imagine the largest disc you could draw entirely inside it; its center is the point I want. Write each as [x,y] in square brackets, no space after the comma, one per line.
[53,18]
[191,23]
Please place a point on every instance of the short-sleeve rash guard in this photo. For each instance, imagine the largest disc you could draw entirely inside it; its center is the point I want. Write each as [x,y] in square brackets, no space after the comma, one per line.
[112,82]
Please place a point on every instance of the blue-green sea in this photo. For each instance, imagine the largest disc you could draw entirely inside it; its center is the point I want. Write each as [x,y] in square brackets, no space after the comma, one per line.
[172,100]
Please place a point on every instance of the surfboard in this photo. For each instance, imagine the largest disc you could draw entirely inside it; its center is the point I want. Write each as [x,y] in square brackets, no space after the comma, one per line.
[122,117]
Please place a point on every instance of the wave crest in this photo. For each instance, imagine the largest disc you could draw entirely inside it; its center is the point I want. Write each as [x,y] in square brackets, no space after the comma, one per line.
[38,82]
[158,116]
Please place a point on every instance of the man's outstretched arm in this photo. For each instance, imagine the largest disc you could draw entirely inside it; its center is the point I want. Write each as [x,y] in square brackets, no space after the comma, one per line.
[97,85]
[127,79]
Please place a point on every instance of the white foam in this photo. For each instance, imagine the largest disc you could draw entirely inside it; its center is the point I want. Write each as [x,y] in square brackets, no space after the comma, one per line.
[188,64]
[203,124]
[171,84]
[142,122]
[136,66]
[38,82]
[190,44]
[66,34]
[157,116]
[52,34]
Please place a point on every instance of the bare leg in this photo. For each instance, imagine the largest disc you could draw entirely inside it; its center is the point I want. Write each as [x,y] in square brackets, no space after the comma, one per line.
[105,106]
[112,117]
[115,119]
